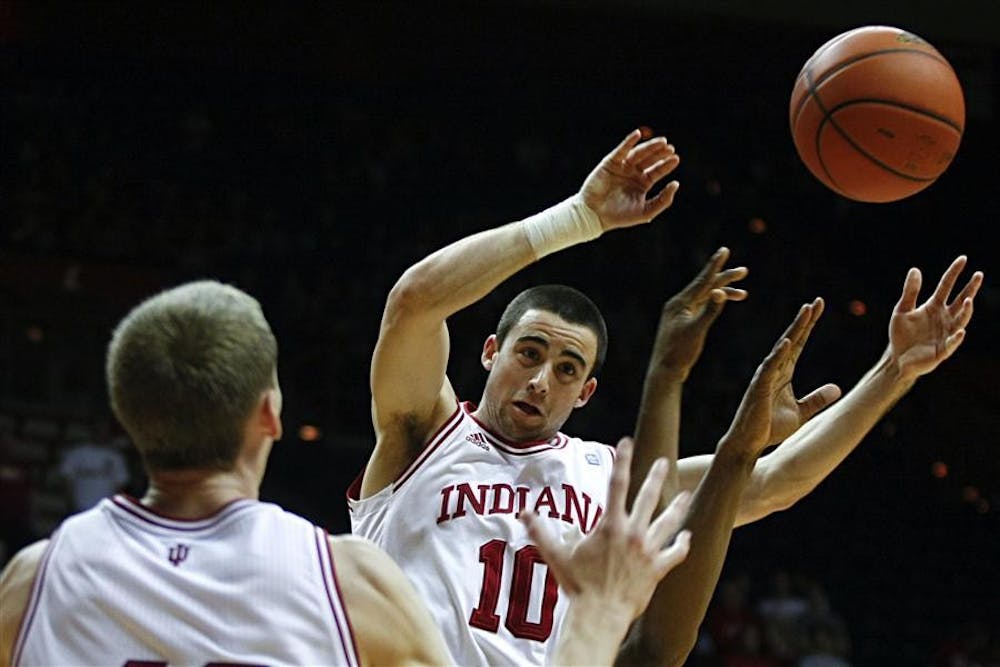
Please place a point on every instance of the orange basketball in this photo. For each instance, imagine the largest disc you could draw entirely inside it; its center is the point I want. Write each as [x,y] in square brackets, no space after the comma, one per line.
[877,114]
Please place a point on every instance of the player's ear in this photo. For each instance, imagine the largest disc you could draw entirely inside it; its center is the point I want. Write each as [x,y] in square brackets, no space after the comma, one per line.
[269,413]
[588,389]
[490,349]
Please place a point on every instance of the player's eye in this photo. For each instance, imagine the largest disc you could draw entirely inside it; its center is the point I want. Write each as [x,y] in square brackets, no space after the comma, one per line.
[568,369]
[530,353]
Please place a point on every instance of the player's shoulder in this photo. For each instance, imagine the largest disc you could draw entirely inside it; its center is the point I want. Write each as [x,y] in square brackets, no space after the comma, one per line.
[391,623]
[362,563]
[16,581]
[25,561]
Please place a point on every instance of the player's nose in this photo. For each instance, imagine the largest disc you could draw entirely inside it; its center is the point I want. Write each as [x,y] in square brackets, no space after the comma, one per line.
[539,382]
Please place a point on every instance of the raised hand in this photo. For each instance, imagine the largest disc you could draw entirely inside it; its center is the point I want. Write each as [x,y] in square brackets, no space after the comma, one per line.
[789,413]
[769,411]
[619,563]
[688,315]
[921,337]
[617,188]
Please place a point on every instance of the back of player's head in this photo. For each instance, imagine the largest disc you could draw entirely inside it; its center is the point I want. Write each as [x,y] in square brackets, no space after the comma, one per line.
[568,303]
[185,369]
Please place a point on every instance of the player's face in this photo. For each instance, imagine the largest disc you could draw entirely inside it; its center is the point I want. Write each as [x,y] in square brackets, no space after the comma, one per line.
[538,376]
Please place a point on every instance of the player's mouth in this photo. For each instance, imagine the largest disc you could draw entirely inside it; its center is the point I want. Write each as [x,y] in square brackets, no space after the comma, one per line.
[527,409]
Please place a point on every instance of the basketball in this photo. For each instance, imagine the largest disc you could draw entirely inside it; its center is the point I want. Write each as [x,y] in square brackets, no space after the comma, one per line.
[877,114]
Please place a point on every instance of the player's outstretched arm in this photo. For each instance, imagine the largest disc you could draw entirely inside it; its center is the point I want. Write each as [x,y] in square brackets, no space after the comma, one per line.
[390,622]
[411,395]
[680,338]
[609,574]
[667,631]
[921,337]
[16,581]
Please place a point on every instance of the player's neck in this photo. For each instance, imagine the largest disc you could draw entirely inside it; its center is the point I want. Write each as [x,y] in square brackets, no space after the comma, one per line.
[193,494]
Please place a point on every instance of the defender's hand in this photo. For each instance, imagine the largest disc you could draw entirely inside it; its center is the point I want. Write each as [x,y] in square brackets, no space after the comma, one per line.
[920,338]
[769,411]
[688,315]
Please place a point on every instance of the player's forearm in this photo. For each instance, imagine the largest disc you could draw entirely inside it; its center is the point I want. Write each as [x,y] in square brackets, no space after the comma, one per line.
[799,464]
[667,631]
[591,633]
[465,271]
[657,431]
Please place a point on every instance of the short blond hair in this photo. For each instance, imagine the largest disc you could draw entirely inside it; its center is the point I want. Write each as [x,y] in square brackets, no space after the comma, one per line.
[185,369]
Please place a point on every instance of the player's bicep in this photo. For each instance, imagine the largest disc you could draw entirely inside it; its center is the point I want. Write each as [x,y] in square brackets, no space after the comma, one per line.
[15,589]
[409,363]
[392,624]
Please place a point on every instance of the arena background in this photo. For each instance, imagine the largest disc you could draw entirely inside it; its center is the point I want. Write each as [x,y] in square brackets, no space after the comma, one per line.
[310,152]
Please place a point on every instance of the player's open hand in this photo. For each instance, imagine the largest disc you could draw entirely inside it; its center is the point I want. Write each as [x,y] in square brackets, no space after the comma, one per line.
[921,337]
[769,411]
[688,315]
[618,188]
[620,562]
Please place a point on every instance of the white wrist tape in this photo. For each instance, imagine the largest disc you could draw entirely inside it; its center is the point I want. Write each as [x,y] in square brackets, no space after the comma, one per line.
[567,223]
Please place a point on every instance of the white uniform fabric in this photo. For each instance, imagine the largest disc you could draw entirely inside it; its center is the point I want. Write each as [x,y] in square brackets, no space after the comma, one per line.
[450,523]
[251,584]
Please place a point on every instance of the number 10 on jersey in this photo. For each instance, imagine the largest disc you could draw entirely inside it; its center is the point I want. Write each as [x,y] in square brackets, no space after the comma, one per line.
[485,616]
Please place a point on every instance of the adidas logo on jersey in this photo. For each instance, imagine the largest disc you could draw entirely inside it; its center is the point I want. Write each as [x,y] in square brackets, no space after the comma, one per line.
[479,440]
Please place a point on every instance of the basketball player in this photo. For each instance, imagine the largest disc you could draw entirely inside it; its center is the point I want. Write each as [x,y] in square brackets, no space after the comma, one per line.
[446,478]
[199,571]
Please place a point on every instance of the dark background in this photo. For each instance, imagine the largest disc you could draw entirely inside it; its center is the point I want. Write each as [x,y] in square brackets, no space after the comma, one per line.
[310,152]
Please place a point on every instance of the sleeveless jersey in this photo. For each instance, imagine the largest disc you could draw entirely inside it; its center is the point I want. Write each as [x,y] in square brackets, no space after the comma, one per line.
[251,584]
[450,522]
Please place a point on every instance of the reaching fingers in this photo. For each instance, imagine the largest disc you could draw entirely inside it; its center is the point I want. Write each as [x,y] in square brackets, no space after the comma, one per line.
[963,316]
[618,488]
[734,293]
[649,152]
[968,292]
[620,153]
[649,493]
[818,400]
[948,279]
[713,308]
[952,342]
[660,169]
[704,281]
[911,290]
[799,342]
[799,325]
[661,202]
[552,551]
[728,276]
[775,359]
[670,520]
[674,555]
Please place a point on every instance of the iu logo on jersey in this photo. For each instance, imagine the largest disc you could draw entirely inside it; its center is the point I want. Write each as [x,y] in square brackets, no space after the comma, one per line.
[178,554]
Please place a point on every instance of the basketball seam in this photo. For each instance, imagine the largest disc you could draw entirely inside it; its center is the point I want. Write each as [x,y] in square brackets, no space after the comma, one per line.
[892,103]
[836,68]
[819,153]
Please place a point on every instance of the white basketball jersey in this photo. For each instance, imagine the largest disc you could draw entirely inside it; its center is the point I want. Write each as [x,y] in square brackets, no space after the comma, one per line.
[120,584]
[450,523]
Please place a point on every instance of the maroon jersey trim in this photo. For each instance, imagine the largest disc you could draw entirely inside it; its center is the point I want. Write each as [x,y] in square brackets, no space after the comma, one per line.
[447,428]
[555,442]
[138,510]
[36,593]
[329,571]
